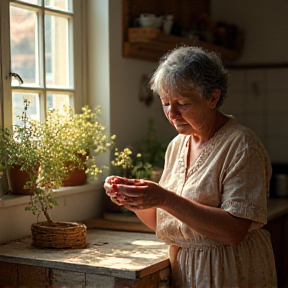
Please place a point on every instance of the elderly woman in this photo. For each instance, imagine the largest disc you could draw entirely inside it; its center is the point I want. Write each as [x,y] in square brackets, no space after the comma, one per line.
[211,202]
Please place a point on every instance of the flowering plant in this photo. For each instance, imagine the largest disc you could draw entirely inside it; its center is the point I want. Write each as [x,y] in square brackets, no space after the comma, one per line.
[131,166]
[147,162]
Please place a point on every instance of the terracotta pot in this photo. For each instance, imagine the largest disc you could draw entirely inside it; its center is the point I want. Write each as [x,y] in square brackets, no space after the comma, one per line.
[17,180]
[76,177]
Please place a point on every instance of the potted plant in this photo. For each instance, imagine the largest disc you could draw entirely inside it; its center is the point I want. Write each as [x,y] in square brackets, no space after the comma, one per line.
[129,165]
[148,160]
[66,139]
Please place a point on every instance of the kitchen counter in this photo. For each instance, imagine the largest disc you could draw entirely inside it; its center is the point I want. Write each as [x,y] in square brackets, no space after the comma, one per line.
[111,257]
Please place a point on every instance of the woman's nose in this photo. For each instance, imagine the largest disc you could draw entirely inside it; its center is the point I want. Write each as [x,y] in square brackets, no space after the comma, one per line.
[173,112]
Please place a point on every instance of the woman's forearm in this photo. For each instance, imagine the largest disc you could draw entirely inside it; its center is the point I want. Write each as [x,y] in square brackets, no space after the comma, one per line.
[148,217]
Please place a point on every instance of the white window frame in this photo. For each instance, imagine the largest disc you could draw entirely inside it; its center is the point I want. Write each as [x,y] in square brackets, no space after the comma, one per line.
[79,48]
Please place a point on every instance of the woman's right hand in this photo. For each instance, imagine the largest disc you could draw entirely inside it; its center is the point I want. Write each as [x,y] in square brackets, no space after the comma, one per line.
[147,216]
[111,188]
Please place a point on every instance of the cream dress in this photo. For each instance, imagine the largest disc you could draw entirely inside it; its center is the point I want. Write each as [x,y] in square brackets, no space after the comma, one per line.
[233,173]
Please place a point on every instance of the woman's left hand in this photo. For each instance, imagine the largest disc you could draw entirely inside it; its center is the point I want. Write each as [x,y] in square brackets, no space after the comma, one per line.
[140,194]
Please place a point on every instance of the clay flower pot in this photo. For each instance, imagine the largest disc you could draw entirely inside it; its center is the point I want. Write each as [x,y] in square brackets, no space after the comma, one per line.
[17,180]
[76,177]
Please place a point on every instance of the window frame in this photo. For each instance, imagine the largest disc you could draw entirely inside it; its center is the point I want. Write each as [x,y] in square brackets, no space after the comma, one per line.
[79,67]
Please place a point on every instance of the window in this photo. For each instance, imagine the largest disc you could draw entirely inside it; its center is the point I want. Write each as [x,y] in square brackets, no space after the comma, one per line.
[38,48]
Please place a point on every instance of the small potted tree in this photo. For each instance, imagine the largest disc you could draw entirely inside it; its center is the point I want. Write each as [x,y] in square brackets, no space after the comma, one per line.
[67,142]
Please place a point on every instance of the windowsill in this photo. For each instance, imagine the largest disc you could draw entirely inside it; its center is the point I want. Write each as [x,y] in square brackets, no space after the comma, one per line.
[9,200]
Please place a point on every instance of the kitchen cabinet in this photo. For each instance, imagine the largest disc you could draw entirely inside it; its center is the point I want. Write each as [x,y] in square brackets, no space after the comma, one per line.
[185,14]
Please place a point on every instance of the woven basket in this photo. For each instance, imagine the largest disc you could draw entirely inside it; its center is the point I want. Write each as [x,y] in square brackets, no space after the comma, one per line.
[142,34]
[60,235]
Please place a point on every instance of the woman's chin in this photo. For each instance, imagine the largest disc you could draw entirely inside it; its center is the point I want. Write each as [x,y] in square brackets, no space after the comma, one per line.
[183,129]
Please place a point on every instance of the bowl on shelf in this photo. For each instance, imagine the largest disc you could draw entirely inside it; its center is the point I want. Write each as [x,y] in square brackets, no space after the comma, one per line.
[150,20]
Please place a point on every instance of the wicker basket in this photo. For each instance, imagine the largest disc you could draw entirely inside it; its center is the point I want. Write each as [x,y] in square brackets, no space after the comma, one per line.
[60,235]
[142,34]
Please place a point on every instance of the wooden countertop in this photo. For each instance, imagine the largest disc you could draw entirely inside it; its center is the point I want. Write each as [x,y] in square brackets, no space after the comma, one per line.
[128,255]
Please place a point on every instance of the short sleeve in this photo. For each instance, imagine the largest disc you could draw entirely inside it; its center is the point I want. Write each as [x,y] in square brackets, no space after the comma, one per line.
[246,186]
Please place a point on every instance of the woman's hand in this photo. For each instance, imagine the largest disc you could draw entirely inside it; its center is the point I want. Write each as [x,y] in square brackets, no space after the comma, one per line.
[134,194]
[110,187]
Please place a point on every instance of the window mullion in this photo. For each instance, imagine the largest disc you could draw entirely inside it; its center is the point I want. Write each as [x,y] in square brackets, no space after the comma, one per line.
[42,63]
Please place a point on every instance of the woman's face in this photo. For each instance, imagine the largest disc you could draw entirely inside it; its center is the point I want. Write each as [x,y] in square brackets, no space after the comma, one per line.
[189,114]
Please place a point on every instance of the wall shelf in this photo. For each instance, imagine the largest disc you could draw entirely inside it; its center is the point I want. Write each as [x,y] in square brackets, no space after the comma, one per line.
[185,12]
[153,50]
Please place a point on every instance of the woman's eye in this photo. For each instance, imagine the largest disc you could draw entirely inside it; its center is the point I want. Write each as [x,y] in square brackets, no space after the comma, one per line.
[183,104]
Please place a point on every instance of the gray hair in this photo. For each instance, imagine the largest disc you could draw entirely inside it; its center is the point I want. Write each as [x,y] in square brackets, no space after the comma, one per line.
[190,67]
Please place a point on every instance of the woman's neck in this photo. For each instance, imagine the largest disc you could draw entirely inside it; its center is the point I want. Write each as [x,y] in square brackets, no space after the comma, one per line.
[219,121]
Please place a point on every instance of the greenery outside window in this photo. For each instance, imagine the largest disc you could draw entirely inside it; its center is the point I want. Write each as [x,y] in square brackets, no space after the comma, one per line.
[38,47]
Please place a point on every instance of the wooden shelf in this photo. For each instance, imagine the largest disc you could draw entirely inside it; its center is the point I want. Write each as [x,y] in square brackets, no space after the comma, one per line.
[185,13]
[153,50]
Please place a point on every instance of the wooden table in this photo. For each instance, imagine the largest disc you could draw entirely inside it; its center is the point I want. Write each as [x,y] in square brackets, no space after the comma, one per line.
[112,259]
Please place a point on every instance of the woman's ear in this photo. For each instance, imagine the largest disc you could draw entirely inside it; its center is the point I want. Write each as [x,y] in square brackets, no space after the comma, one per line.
[215,98]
